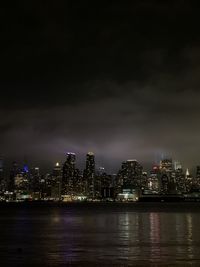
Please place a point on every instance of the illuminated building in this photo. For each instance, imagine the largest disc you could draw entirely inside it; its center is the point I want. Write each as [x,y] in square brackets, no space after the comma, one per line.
[89,175]
[21,184]
[70,175]
[198,172]
[144,180]
[167,176]
[177,165]
[166,165]
[56,182]
[180,178]
[2,178]
[188,181]
[128,195]
[107,188]
[153,184]
[46,184]
[129,176]
[197,180]
[35,180]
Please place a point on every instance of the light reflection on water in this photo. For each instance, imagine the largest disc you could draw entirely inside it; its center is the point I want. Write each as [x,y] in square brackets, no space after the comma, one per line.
[60,235]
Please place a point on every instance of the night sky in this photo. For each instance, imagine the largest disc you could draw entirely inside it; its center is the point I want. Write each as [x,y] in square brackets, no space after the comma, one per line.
[119,78]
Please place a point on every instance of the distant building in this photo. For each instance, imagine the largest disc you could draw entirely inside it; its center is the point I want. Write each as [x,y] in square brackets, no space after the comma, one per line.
[35,180]
[180,180]
[188,181]
[22,183]
[70,175]
[196,180]
[2,178]
[177,165]
[167,176]
[154,183]
[89,175]
[56,181]
[130,175]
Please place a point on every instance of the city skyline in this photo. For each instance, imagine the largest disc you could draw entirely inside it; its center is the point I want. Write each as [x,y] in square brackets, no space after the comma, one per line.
[100,133]
[67,183]
[80,162]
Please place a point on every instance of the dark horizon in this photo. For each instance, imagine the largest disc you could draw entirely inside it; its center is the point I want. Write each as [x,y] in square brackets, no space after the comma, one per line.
[119,79]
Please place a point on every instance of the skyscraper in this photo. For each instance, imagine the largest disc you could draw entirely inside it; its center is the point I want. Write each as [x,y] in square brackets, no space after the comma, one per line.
[35,179]
[69,175]
[188,181]
[167,176]
[89,175]
[56,182]
[197,179]
[2,178]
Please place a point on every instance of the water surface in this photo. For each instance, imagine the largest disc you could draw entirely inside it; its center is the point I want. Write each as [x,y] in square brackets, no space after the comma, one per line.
[141,234]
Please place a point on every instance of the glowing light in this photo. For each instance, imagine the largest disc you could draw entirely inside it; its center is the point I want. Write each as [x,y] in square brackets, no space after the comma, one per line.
[91,153]
[25,169]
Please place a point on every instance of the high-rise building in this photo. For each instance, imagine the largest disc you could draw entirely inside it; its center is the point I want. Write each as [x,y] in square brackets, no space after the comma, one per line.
[22,183]
[2,178]
[180,179]
[196,180]
[107,187]
[35,179]
[89,175]
[153,183]
[56,182]
[198,172]
[130,174]
[188,181]
[167,176]
[166,165]
[70,175]
[177,165]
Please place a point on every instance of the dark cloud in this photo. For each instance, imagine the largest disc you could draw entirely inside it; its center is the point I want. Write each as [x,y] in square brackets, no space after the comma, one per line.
[121,79]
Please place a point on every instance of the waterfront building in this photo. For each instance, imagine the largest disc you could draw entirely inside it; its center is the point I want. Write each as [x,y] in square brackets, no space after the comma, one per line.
[34,183]
[180,179]
[70,175]
[2,178]
[89,176]
[167,177]
[153,182]
[188,181]
[129,176]
[56,181]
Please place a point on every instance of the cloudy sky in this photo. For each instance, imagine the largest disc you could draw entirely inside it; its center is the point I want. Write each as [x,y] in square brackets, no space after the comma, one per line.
[120,78]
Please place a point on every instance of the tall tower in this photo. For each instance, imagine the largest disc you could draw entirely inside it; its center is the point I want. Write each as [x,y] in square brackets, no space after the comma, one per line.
[69,174]
[35,180]
[89,174]
[56,182]
[167,179]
